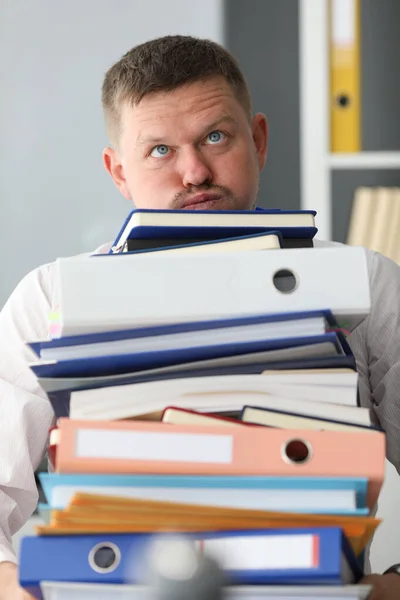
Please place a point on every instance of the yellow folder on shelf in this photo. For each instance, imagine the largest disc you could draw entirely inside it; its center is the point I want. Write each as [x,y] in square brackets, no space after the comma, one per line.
[345,107]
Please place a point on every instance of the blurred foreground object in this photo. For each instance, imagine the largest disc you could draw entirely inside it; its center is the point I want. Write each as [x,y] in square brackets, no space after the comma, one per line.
[177,570]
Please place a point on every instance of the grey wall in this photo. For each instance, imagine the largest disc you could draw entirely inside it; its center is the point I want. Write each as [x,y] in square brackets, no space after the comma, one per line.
[55,197]
[264,37]
[380,74]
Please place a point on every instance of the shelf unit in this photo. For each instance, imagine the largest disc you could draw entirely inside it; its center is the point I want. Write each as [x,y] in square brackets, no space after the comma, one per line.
[317,165]
[316,161]
[364,160]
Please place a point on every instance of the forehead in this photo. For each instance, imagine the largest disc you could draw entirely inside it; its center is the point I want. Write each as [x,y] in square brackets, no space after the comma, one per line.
[190,105]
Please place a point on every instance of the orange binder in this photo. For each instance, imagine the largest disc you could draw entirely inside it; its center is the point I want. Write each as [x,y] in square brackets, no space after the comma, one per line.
[345,75]
[143,447]
[91,513]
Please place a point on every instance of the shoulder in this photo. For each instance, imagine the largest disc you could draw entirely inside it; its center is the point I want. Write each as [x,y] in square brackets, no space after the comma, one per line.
[379,266]
[384,281]
[37,292]
[45,274]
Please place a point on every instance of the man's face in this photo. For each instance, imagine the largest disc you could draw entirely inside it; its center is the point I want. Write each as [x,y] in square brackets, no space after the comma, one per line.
[192,148]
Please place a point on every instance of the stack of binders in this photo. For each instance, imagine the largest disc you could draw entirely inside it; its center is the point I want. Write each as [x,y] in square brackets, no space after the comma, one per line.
[206,389]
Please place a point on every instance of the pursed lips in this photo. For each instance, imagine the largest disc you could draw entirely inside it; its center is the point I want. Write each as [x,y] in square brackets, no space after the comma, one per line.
[201,200]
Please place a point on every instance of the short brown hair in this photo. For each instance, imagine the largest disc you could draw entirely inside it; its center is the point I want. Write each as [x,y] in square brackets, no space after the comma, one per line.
[164,64]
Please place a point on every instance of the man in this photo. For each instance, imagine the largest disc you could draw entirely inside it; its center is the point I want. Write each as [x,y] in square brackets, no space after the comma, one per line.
[178,115]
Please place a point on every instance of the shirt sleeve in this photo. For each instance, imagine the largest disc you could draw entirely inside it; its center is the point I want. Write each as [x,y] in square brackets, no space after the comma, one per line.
[376,346]
[25,411]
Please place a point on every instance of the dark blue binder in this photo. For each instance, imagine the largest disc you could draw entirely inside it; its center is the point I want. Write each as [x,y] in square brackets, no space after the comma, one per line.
[213,326]
[133,362]
[248,557]
[172,232]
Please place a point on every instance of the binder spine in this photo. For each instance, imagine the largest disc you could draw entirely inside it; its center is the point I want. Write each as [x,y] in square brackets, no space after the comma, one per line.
[345,107]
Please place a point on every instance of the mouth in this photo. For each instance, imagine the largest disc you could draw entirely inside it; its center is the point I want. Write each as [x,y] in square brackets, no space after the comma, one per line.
[201,201]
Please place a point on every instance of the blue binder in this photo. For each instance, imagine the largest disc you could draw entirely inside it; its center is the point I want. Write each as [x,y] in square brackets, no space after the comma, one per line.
[51,481]
[119,559]
[129,363]
[192,241]
[177,328]
[171,232]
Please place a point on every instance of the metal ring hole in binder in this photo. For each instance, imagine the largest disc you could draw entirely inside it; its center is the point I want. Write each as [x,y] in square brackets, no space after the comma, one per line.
[104,557]
[343,100]
[297,451]
[285,281]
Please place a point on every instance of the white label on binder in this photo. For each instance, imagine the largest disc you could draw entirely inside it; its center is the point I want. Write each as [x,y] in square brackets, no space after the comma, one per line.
[258,553]
[343,22]
[139,445]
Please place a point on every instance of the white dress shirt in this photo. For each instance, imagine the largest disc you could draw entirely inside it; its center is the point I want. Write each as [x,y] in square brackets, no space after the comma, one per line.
[26,414]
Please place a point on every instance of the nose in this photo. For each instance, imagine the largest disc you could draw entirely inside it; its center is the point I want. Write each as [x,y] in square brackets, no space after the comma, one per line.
[194,169]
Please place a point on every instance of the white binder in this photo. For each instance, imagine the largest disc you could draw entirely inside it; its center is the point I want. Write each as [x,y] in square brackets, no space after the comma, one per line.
[81,591]
[121,291]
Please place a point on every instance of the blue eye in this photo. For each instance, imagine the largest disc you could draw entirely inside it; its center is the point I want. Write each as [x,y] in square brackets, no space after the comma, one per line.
[215,136]
[161,150]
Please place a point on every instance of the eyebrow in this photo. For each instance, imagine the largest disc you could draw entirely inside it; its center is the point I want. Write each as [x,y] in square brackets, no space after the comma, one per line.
[160,140]
[150,140]
[225,119]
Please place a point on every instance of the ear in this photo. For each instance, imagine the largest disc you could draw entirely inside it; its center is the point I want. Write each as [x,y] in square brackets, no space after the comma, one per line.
[259,128]
[113,165]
